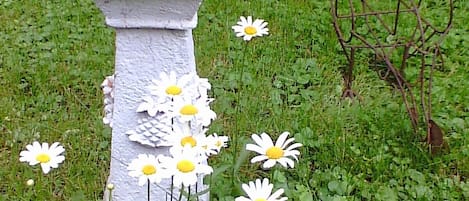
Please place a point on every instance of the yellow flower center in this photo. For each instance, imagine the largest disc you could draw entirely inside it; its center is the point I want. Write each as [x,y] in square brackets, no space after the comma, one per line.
[188,140]
[189,110]
[173,90]
[185,166]
[149,169]
[43,158]
[260,199]
[274,152]
[250,30]
[218,144]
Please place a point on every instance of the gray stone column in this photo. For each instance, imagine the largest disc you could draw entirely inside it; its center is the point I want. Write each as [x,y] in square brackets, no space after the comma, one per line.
[151,36]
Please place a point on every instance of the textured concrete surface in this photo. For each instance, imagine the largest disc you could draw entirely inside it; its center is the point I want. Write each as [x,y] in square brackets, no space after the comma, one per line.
[151,36]
[169,14]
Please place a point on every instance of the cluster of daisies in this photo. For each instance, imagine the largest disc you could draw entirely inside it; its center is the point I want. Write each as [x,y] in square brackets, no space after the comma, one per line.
[283,151]
[184,104]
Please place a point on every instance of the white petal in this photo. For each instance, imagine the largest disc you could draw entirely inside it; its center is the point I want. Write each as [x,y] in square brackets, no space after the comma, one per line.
[243,19]
[142,181]
[281,139]
[189,179]
[45,168]
[293,146]
[287,161]
[285,144]
[269,163]
[277,194]
[257,139]
[259,158]
[242,198]
[249,21]
[266,140]
[282,162]
[258,149]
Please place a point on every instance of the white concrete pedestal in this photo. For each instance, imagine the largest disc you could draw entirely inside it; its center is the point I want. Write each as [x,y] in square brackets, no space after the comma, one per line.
[151,36]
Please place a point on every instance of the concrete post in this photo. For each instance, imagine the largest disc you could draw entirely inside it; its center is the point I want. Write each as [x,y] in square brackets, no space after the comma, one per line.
[152,36]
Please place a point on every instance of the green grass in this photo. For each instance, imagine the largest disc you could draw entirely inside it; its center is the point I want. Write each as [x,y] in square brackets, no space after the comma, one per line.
[54,55]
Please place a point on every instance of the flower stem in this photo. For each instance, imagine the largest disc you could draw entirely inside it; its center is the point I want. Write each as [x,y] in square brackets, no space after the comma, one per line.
[172,187]
[148,189]
[238,113]
[196,191]
[180,193]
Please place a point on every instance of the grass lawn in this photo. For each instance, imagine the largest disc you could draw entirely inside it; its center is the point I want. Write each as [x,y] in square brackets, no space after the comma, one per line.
[55,54]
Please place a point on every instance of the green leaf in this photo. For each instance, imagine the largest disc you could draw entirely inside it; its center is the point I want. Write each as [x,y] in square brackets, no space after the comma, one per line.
[386,194]
[458,123]
[304,193]
[241,158]
[339,187]
[275,97]
[220,169]
[303,79]
[279,176]
[78,196]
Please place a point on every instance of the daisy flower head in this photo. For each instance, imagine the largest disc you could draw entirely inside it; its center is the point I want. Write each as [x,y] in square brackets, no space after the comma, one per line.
[185,165]
[170,86]
[182,135]
[248,29]
[261,191]
[197,111]
[212,144]
[219,141]
[146,167]
[280,152]
[207,146]
[47,157]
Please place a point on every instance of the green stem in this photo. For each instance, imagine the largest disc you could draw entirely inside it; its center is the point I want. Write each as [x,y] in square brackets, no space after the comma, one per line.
[238,113]
[180,193]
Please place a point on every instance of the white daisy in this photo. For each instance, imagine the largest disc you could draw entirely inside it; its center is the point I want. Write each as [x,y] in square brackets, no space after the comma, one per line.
[48,157]
[261,191]
[248,29]
[274,153]
[185,165]
[146,168]
[207,146]
[219,141]
[183,135]
[197,112]
[169,86]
